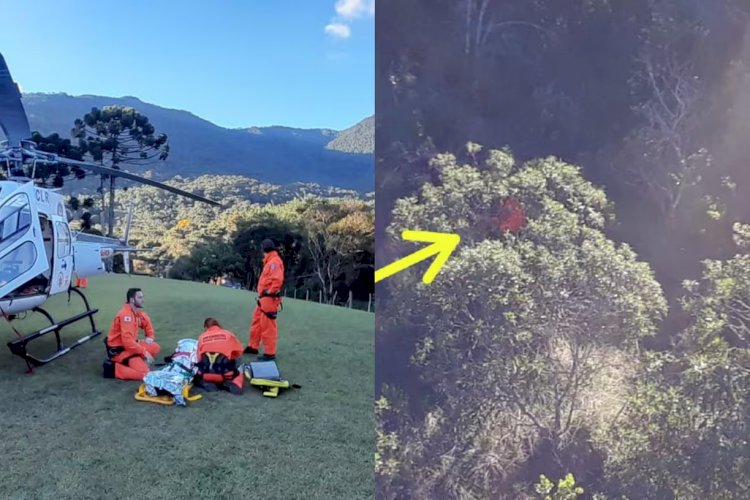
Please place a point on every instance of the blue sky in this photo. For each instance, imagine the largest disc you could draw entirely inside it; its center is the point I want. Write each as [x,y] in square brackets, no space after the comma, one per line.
[298,63]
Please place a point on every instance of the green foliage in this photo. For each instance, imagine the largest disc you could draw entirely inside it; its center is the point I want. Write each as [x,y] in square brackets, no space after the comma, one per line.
[214,258]
[119,135]
[566,488]
[57,173]
[289,241]
[340,238]
[536,318]
[683,433]
[115,136]
[387,443]
[357,139]
[741,235]
[650,97]
[81,211]
[337,231]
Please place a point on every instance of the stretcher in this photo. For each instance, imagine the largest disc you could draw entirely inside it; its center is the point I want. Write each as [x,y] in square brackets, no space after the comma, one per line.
[165,399]
[265,376]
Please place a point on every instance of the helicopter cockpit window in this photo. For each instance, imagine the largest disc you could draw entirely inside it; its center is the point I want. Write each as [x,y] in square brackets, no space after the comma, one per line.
[17,262]
[15,220]
[63,239]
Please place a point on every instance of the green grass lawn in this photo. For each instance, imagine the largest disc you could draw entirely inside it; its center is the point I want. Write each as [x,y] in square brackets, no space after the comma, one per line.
[69,433]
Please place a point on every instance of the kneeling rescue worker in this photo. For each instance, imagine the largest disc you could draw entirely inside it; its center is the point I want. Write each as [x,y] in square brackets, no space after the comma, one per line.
[263,327]
[218,352]
[129,358]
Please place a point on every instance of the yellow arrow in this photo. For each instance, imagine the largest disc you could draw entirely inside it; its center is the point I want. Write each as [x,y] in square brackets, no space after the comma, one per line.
[443,245]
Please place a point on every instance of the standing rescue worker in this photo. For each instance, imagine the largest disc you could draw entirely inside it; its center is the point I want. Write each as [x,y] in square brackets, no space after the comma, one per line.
[129,357]
[218,352]
[263,327]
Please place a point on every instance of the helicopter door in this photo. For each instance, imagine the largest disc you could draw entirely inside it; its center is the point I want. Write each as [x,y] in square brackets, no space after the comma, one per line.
[22,255]
[63,261]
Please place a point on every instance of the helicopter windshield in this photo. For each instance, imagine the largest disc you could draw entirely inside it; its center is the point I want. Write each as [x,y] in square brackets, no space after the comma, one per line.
[15,220]
[17,262]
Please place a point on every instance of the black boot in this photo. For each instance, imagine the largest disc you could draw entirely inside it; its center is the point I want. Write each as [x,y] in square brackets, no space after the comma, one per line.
[235,386]
[108,369]
[206,386]
[250,350]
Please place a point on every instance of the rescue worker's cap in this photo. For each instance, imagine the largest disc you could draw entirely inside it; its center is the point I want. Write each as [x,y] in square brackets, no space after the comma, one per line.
[267,245]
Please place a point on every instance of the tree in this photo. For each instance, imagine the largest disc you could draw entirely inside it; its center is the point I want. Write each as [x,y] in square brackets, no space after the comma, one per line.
[672,101]
[53,143]
[289,241]
[115,136]
[214,258]
[82,210]
[683,433]
[520,328]
[338,232]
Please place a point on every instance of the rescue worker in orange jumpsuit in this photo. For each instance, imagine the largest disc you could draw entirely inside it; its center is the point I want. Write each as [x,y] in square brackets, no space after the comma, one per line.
[218,352]
[129,358]
[263,327]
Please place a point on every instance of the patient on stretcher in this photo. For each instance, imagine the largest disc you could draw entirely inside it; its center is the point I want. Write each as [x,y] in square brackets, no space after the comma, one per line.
[179,373]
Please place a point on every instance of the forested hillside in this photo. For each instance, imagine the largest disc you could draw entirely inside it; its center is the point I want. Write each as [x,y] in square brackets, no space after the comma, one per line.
[326,235]
[358,139]
[606,333]
[278,155]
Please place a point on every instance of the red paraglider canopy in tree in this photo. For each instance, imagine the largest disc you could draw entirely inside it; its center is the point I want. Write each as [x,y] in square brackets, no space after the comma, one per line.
[512,216]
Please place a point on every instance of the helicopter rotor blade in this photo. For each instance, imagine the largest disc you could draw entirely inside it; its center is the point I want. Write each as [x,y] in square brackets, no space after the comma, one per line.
[99,169]
[13,119]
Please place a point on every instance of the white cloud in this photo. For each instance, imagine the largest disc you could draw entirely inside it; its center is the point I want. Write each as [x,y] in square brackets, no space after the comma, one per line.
[352,9]
[348,10]
[339,30]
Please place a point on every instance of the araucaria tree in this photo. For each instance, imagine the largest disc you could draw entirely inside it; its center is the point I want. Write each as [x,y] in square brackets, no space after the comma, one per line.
[116,136]
[520,329]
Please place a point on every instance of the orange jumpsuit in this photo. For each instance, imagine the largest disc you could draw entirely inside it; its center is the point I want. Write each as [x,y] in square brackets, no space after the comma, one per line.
[130,363]
[263,327]
[216,340]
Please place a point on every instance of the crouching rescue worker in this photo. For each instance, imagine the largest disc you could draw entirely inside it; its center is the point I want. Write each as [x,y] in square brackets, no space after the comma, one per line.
[263,326]
[218,352]
[129,358]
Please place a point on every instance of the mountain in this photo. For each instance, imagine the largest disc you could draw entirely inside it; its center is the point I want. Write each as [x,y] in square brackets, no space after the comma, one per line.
[357,139]
[279,155]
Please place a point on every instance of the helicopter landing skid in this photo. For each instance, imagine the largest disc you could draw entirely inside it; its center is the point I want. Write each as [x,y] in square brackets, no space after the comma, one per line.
[18,346]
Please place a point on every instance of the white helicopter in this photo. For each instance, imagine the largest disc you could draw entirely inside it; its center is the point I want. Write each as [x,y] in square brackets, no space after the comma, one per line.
[39,254]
